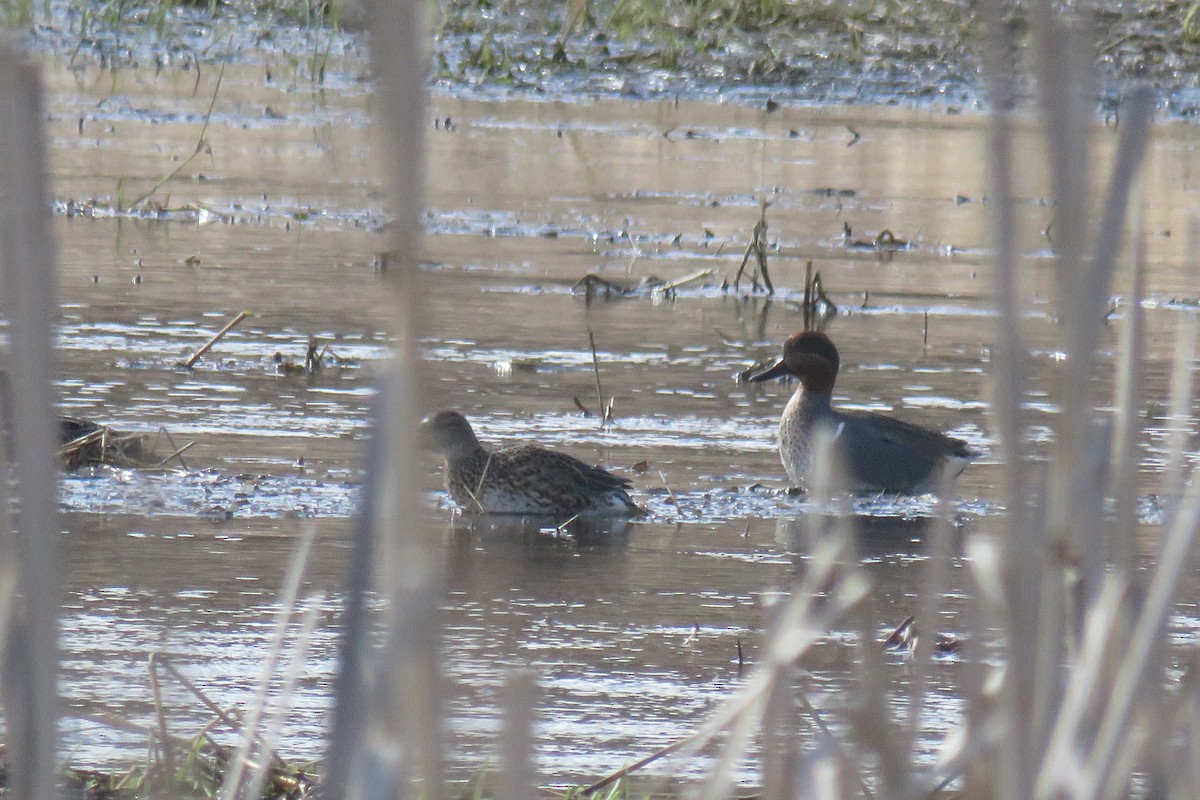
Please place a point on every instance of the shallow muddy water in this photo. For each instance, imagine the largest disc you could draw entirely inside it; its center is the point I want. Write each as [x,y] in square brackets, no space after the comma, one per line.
[634,629]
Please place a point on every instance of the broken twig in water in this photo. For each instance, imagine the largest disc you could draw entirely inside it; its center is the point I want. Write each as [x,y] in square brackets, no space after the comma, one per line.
[178,450]
[605,410]
[562,530]
[670,494]
[218,336]
[758,247]
[86,443]
[817,305]
[177,454]
[700,275]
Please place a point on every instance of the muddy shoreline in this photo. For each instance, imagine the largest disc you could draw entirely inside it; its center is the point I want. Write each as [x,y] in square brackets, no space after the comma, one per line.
[905,54]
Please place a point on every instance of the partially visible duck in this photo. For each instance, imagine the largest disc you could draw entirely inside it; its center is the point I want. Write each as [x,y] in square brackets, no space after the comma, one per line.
[881,453]
[525,479]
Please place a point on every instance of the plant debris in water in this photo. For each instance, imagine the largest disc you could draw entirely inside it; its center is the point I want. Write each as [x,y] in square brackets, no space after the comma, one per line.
[86,443]
[199,776]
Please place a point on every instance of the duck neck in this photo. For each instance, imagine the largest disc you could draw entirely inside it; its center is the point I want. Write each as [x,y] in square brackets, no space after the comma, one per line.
[815,401]
[465,450]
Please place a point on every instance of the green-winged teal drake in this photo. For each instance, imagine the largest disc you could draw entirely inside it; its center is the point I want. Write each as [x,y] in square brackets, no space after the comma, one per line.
[525,479]
[882,454]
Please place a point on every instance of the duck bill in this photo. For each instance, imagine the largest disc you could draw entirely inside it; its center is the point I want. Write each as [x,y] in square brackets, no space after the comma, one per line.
[776,370]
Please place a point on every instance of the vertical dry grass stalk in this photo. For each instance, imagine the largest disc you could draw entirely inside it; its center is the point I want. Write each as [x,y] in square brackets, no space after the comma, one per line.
[252,746]
[518,774]
[387,723]
[832,584]
[27,259]
[1076,711]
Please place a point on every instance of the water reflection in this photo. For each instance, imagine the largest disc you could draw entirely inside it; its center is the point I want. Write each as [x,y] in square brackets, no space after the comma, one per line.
[874,535]
[635,630]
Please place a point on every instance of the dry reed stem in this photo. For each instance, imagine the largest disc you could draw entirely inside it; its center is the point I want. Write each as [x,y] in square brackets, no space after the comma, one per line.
[402,695]
[178,453]
[1179,415]
[348,716]
[675,285]
[1008,382]
[831,741]
[833,585]
[201,141]
[611,779]
[663,477]
[596,371]
[807,308]
[28,260]
[218,756]
[803,620]
[82,441]
[1149,630]
[1008,386]
[635,254]
[518,700]
[160,716]
[9,578]
[475,495]
[1060,765]
[1133,141]
[870,716]
[829,589]
[231,717]
[1026,694]
[118,722]
[935,576]
[562,528]
[816,306]
[978,749]
[282,711]
[761,246]
[780,739]
[1128,401]
[1049,720]
[178,450]
[758,247]
[232,785]
[1062,80]
[216,337]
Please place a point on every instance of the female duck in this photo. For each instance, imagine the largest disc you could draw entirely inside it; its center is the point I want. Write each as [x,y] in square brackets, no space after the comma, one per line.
[525,479]
[882,454]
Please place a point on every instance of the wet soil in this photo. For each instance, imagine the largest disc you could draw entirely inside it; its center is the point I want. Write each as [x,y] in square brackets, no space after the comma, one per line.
[904,53]
[810,53]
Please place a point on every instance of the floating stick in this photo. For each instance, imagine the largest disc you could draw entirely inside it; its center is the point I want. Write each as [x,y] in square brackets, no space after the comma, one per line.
[218,336]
